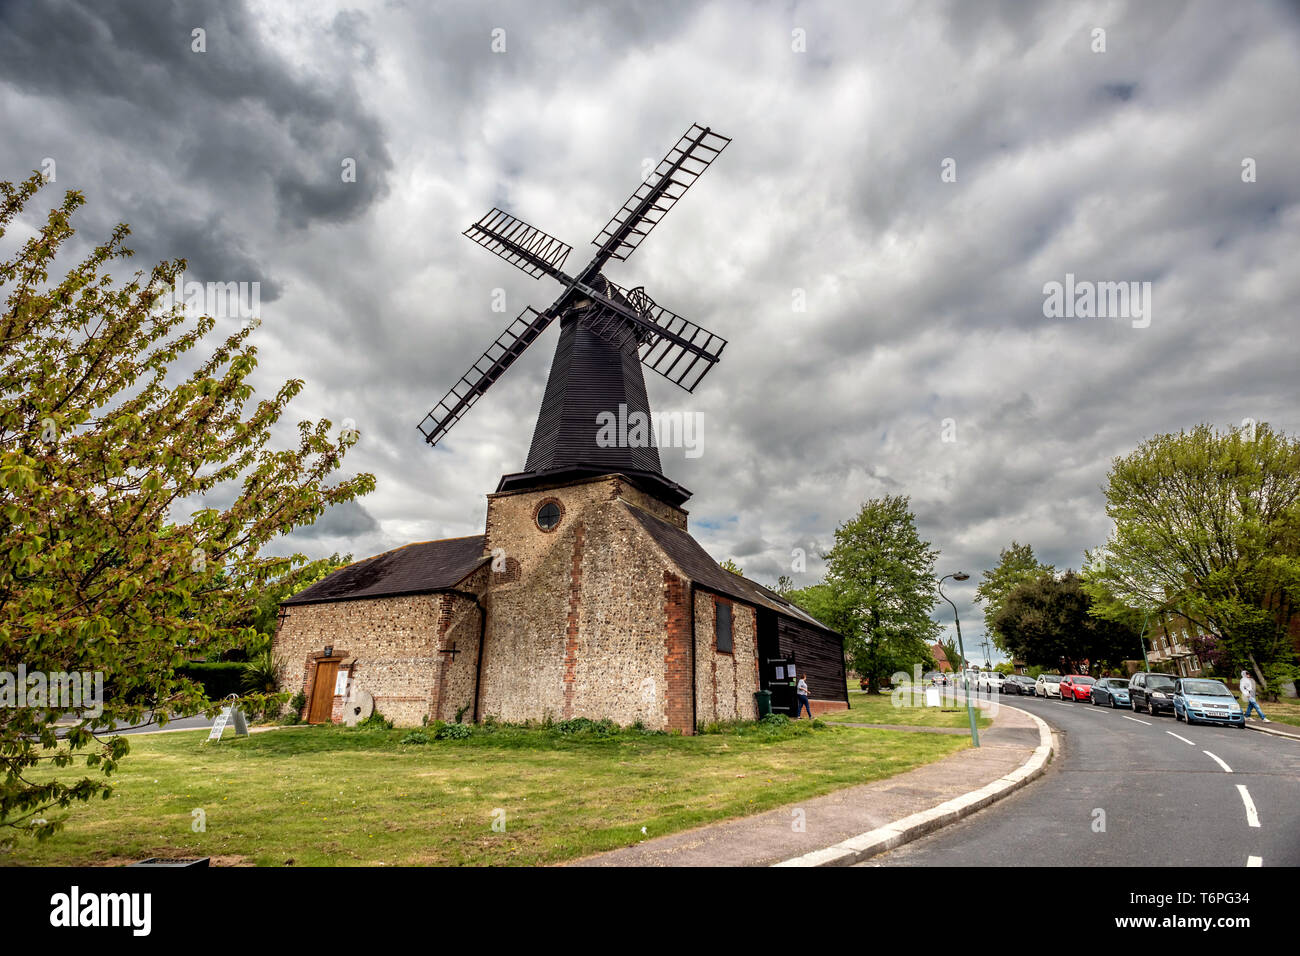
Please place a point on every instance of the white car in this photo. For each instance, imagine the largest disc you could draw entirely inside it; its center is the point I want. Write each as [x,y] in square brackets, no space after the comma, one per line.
[992,681]
[1048,685]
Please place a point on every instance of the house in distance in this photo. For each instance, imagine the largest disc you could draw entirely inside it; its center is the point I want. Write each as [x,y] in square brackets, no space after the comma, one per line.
[586,595]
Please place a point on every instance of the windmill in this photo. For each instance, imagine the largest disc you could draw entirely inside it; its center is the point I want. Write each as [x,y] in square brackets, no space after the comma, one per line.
[607,332]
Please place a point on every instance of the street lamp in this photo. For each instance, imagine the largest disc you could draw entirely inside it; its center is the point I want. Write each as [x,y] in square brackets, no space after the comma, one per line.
[970,710]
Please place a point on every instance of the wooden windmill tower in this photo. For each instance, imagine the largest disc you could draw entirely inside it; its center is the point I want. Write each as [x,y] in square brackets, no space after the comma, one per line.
[606,334]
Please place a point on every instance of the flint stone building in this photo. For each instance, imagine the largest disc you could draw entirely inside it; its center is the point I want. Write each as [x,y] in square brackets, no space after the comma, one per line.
[585,596]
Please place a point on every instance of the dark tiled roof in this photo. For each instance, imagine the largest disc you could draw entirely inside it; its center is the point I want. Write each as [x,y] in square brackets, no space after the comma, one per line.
[413,569]
[694,561]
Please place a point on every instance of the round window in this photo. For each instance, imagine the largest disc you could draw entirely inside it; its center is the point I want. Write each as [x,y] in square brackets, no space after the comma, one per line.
[548,516]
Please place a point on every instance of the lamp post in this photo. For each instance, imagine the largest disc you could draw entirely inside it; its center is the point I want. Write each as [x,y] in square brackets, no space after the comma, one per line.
[970,710]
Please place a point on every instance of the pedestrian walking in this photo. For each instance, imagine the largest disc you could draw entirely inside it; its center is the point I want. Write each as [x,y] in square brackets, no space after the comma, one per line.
[802,691]
[1248,697]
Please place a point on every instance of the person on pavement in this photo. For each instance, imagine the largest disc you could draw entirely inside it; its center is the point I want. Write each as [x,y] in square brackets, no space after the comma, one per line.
[1248,697]
[802,691]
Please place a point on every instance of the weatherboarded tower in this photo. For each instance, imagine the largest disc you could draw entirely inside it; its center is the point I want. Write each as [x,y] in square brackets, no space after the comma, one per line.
[585,596]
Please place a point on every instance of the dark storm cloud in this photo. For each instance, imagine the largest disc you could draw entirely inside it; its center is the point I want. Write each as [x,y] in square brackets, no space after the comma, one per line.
[206,154]
[348,520]
[920,363]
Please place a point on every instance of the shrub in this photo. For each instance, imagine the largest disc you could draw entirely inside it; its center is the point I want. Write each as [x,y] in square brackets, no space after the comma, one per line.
[453,732]
[819,724]
[415,737]
[460,713]
[774,720]
[218,678]
[376,721]
[588,727]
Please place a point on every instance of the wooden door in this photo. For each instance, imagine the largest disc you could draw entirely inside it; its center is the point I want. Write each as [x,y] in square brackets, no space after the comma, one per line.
[322,692]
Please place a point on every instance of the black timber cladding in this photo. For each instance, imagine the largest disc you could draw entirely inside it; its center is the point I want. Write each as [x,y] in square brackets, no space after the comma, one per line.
[817,650]
[589,376]
[414,569]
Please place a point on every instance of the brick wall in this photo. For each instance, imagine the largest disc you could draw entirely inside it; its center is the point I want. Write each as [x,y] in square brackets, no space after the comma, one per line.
[581,632]
[679,709]
[391,644]
[725,683]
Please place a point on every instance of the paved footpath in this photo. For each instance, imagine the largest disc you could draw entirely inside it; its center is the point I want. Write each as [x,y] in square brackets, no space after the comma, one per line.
[771,837]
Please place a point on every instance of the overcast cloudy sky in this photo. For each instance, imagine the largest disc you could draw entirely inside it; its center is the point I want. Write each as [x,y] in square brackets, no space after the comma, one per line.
[923,298]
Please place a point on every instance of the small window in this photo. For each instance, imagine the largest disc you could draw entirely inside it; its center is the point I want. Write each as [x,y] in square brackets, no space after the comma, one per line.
[548,516]
[722,621]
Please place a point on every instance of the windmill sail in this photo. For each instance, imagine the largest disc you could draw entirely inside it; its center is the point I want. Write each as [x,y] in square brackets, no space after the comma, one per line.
[500,355]
[595,312]
[520,244]
[676,348]
[650,202]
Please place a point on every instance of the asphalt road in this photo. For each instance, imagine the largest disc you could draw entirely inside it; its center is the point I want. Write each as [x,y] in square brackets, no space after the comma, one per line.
[1123,790]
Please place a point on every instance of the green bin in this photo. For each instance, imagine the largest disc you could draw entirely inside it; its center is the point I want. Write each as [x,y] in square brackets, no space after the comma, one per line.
[763,701]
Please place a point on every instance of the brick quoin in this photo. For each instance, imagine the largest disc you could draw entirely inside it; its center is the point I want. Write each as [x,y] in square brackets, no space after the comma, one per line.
[444,622]
[679,681]
[571,632]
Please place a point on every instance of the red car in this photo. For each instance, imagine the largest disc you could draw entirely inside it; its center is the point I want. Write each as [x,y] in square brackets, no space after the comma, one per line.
[1076,687]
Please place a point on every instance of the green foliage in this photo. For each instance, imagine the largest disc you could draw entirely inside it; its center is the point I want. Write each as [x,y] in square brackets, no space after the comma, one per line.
[417,737]
[732,566]
[103,439]
[1015,564]
[453,732]
[952,652]
[293,715]
[588,727]
[260,674]
[769,727]
[376,721]
[1047,621]
[1207,524]
[217,678]
[879,591]
[460,713]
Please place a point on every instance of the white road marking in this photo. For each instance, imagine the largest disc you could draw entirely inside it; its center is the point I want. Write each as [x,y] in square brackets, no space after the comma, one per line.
[1252,817]
[1135,720]
[1226,768]
[1254,861]
[1183,739]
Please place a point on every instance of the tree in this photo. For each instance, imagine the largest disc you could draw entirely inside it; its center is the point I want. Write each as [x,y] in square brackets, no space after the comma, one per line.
[1047,622]
[1208,524]
[1015,564]
[732,566]
[952,651]
[105,444]
[882,575]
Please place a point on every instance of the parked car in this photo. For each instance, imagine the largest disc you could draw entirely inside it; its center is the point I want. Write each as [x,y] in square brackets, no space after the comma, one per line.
[1151,692]
[1018,684]
[992,681]
[1112,691]
[1200,699]
[1076,687]
[1048,685]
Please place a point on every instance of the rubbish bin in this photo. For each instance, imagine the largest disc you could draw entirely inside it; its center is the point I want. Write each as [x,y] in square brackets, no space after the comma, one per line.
[763,702]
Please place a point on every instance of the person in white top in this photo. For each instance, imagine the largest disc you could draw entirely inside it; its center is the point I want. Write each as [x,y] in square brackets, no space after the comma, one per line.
[1248,697]
[802,691]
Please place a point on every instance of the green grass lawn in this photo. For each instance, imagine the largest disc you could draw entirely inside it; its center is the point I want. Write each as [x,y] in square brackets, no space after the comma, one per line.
[328,795]
[880,709]
[1284,711]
